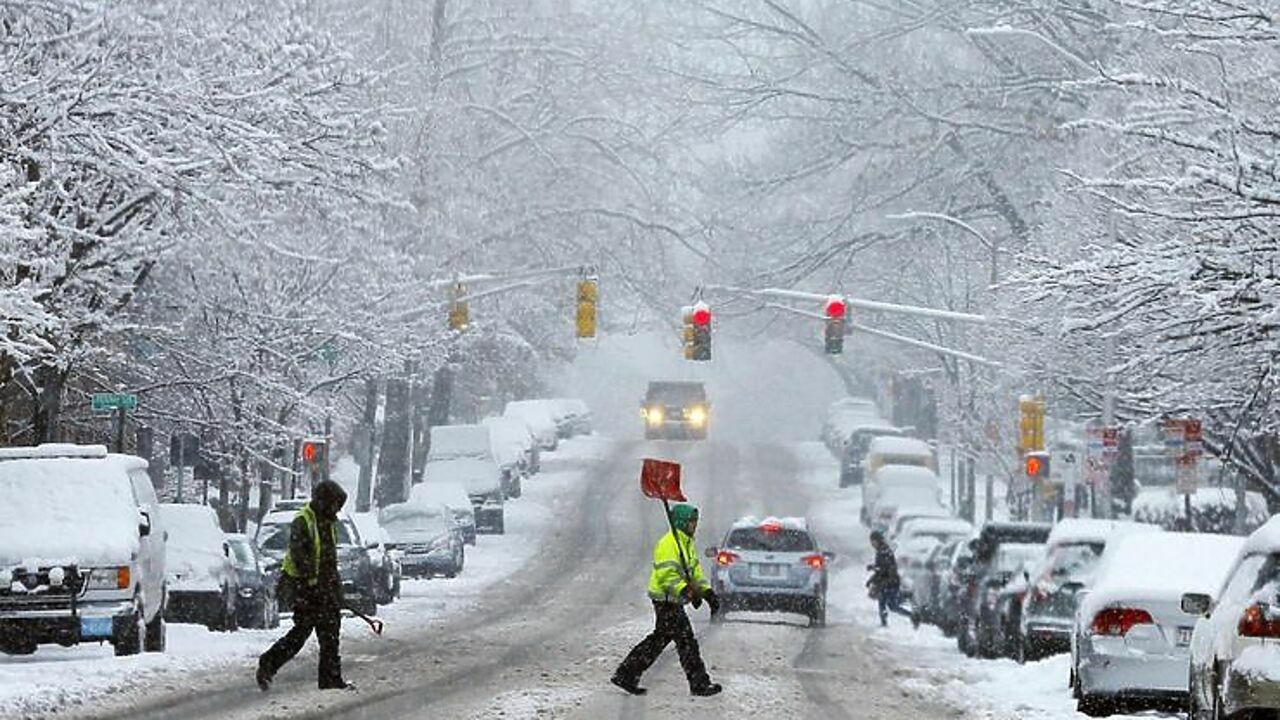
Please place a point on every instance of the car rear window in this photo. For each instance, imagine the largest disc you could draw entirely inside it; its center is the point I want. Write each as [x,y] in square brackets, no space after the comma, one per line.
[776,541]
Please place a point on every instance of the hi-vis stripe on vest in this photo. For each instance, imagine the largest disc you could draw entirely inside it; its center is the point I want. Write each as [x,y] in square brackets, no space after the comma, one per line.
[667,581]
[313,528]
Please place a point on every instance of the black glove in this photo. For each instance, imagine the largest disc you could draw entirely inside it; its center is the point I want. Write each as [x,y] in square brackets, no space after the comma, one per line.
[713,601]
[694,597]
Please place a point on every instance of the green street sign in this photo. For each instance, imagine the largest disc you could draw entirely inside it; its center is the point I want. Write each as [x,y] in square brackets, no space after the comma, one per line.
[114,401]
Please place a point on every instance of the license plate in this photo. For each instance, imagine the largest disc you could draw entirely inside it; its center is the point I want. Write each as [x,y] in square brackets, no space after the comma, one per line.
[770,570]
[95,627]
[1184,636]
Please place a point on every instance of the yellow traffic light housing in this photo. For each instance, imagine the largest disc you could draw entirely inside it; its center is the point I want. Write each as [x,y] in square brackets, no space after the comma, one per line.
[459,310]
[1030,424]
[588,294]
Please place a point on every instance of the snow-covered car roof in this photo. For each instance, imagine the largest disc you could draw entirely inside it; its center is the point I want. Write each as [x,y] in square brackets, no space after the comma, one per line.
[894,445]
[437,491]
[192,527]
[785,523]
[534,412]
[1071,531]
[1264,540]
[890,475]
[460,441]
[1160,567]
[66,510]
[851,403]
[476,476]
[513,430]
[918,546]
[934,524]
[370,529]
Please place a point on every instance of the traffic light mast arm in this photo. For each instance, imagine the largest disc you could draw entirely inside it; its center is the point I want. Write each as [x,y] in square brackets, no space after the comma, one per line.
[932,313]
[483,278]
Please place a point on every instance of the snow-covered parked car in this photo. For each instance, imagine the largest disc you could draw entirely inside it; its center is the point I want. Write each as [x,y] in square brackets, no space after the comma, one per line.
[384,556]
[1131,643]
[203,582]
[773,565]
[427,535]
[453,496]
[537,415]
[897,487]
[515,432]
[482,479]
[1049,607]
[853,453]
[82,550]
[1235,648]
[572,416]
[256,605]
[453,442]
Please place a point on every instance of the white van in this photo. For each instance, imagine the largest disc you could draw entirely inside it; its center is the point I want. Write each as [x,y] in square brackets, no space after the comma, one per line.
[82,549]
[891,450]
[474,442]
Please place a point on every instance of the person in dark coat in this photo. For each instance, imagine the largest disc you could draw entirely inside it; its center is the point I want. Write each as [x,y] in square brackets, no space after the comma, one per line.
[885,582]
[310,572]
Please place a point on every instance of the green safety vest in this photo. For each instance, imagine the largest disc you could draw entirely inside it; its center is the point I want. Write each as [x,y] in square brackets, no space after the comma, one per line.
[313,528]
[667,581]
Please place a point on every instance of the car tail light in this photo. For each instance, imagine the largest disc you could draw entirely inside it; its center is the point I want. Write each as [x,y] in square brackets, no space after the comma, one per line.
[771,527]
[122,577]
[817,562]
[1118,621]
[1258,621]
[724,557]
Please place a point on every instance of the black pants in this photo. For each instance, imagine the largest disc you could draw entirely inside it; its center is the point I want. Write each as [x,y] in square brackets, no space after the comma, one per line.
[326,620]
[671,625]
[891,599]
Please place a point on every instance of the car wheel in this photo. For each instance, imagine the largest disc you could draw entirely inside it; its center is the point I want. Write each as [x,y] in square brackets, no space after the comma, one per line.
[818,615]
[154,639]
[17,646]
[128,639]
[1095,706]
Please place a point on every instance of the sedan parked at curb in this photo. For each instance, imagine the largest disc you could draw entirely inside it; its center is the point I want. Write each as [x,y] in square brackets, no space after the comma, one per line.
[203,582]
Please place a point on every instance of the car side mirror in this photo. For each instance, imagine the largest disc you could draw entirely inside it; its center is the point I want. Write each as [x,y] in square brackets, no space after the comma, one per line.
[144,524]
[372,545]
[226,549]
[828,555]
[711,551]
[1196,604]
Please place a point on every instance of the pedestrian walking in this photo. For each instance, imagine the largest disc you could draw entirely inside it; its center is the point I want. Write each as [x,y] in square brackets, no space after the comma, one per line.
[310,575]
[676,579]
[885,583]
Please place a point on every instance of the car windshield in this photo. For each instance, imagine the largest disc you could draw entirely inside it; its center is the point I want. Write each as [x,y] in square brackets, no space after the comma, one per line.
[676,394]
[242,554]
[770,541]
[1075,562]
[277,540]
[416,524]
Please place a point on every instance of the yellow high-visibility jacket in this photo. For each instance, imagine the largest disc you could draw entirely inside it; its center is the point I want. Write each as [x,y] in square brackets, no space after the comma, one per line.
[668,581]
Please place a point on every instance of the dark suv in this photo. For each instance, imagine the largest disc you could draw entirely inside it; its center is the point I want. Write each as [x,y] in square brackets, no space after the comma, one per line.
[675,410]
[985,573]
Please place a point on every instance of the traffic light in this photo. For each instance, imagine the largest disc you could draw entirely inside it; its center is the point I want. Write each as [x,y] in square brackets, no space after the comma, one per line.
[834,330]
[459,311]
[315,459]
[1037,466]
[1030,423]
[700,319]
[588,292]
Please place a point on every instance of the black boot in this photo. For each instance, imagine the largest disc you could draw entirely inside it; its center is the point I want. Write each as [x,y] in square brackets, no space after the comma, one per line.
[264,680]
[631,686]
[706,690]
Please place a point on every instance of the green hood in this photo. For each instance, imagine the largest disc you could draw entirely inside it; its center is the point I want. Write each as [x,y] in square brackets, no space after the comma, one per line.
[682,515]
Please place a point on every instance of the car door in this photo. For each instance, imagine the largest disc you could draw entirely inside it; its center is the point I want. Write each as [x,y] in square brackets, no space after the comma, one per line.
[152,547]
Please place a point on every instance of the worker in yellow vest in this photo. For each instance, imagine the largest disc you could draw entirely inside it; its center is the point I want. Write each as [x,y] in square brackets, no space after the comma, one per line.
[310,573]
[676,579]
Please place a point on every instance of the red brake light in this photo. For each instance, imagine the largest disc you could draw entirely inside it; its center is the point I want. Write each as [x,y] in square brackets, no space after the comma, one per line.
[1257,622]
[724,557]
[771,527]
[1118,621]
[817,562]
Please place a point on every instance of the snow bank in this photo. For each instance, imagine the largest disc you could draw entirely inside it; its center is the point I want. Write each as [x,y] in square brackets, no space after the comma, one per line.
[60,511]
[1214,509]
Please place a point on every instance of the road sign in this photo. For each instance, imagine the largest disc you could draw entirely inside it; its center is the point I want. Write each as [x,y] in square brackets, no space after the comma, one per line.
[1183,441]
[1102,445]
[114,401]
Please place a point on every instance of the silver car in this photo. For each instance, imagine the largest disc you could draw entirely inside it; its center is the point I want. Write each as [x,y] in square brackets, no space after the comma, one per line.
[772,565]
[1235,648]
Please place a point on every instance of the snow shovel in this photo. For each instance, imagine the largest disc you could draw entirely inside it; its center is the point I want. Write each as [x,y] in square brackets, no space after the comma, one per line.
[374,623]
[660,480]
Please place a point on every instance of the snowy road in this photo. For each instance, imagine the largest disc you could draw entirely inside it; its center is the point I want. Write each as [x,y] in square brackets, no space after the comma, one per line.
[542,642]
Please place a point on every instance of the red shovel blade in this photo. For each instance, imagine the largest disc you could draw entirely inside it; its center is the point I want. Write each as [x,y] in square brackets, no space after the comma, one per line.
[660,480]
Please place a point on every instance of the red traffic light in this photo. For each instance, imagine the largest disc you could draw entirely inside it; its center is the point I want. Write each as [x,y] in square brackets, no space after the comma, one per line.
[1035,466]
[835,308]
[701,315]
[311,452]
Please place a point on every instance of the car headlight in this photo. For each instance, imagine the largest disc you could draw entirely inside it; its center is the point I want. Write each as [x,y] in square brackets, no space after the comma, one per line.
[109,578]
[698,415]
[655,415]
